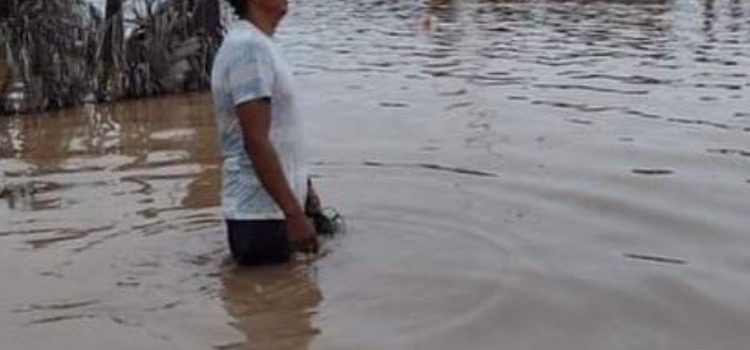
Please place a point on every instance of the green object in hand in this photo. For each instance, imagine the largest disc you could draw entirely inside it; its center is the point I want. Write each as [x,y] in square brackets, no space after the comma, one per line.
[327,222]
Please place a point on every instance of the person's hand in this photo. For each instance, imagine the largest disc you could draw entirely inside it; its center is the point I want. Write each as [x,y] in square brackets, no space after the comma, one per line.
[302,236]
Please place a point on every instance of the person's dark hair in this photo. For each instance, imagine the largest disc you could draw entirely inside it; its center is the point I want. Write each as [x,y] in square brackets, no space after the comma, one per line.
[239,7]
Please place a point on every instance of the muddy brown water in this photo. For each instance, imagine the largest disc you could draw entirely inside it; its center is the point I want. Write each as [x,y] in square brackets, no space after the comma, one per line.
[527,175]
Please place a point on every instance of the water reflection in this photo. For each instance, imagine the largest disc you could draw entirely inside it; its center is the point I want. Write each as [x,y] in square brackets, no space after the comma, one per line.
[272,306]
[709,17]
[129,165]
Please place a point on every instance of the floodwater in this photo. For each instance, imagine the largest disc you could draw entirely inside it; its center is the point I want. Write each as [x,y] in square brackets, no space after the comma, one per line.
[514,174]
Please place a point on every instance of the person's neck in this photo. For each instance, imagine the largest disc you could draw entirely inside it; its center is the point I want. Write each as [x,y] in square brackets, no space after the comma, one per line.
[266,22]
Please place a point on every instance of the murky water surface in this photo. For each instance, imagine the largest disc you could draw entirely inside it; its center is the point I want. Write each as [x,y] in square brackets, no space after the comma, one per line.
[515,175]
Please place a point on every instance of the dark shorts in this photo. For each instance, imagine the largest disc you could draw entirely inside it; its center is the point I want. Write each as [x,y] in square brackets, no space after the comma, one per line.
[258,242]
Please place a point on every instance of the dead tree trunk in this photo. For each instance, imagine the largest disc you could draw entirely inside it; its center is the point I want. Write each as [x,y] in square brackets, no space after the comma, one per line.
[6,76]
[207,17]
[110,80]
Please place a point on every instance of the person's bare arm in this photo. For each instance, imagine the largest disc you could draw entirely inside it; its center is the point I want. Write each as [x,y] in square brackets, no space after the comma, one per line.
[255,120]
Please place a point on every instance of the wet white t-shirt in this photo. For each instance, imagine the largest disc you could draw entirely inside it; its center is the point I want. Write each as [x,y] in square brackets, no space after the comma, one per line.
[249,66]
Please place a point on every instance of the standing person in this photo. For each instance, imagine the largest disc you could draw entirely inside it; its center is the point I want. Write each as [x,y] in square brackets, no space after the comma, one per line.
[265,179]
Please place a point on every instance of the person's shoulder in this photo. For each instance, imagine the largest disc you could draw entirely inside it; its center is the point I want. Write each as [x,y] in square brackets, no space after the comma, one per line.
[246,40]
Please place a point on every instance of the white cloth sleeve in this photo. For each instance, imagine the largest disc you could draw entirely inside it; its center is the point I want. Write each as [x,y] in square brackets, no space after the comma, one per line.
[251,76]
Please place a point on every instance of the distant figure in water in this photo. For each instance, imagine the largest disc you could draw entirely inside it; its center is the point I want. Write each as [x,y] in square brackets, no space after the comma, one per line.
[427,23]
[433,13]
[266,190]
